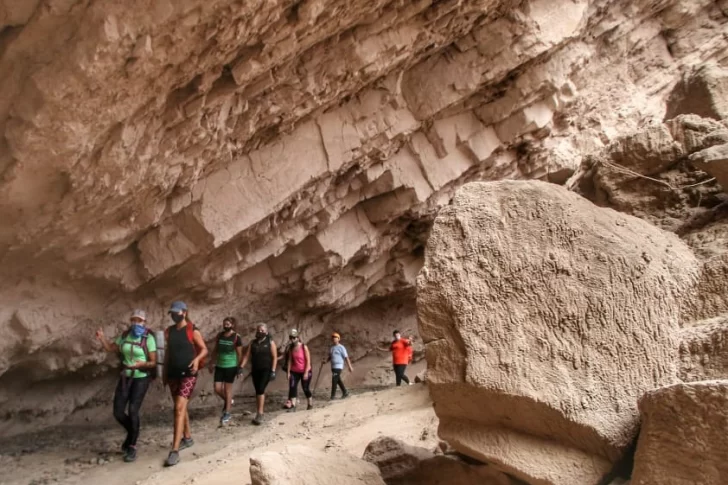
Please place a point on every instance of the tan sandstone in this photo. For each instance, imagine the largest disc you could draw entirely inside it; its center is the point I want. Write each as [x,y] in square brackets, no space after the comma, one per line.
[303,465]
[683,436]
[283,160]
[545,319]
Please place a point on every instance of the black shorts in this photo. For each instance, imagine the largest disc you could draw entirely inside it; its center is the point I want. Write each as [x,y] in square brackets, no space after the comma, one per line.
[226,375]
[260,380]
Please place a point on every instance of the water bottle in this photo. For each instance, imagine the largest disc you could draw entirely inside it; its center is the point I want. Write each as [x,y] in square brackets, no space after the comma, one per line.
[159,337]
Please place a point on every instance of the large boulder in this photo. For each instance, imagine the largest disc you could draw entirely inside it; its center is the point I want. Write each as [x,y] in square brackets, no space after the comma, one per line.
[683,439]
[545,320]
[303,465]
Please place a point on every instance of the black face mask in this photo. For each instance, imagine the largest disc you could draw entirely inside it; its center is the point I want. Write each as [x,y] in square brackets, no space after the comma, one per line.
[227,328]
[260,335]
[177,317]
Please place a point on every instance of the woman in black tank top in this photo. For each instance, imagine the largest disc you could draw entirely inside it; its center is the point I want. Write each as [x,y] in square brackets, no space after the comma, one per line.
[263,355]
[181,352]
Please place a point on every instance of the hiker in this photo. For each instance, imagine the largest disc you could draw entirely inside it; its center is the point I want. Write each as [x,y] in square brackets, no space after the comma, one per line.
[226,358]
[298,369]
[338,356]
[263,356]
[184,355]
[401,349]
[138,350]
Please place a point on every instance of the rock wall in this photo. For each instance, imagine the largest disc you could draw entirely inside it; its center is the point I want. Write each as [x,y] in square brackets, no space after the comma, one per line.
[545,319]
[281,160]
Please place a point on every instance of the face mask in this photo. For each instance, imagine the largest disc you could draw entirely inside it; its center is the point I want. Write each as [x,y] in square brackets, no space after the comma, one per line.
[259,335]
[227,328]
[397,337]
[294,339]
[177,317]
[137,330]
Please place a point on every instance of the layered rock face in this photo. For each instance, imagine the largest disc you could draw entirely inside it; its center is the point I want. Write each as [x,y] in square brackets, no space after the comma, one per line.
[281,160]
[557,332]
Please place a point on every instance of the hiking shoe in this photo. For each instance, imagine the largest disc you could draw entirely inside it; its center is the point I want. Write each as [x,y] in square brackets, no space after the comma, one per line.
[172,459]
[258,419]
[345,395]
[130,454]
[225,418]
[291,409]
[309,407]
[186,443]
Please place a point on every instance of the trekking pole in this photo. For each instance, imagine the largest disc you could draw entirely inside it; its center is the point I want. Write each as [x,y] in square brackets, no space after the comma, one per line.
[315,384]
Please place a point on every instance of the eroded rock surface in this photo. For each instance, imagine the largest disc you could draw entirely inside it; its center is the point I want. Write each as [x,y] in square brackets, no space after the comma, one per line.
[683,439]
[281,160]
[545,319]
[403,464]
[303,465]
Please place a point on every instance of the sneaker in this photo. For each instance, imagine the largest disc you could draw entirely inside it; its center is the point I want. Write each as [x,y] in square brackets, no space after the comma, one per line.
[186,443]
[225,418]
[309,407]
[258,419]
[345,395]
[292,409]
[172,459]
[130,455]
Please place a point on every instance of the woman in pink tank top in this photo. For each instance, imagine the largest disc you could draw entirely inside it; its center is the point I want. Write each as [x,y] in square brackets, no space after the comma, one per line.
[298,368]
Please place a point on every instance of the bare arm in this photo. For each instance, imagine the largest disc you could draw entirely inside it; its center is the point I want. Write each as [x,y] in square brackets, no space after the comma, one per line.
[308,360]
[348,363]
[150,364]
[239,351]
[247,355]
[274,353]
[108,346]
[199,343]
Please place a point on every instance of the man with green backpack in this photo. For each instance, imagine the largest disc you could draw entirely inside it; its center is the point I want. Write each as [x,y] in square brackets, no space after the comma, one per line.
[138,350]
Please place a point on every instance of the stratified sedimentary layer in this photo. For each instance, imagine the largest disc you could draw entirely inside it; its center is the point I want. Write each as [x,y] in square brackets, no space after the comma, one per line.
[282,160]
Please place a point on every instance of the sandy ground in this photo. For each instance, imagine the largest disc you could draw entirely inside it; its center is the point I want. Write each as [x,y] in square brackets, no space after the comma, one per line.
[78,454]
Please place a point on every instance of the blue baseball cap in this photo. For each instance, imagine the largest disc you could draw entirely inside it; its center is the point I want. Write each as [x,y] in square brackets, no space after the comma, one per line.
[178,306]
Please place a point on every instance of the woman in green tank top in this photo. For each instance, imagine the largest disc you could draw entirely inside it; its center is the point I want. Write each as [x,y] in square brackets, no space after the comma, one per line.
[226,357]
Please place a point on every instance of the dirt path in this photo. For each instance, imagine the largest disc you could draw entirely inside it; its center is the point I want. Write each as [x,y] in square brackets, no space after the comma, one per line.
[89,455]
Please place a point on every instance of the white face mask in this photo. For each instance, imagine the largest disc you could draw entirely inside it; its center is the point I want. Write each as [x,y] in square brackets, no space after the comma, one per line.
[397,337]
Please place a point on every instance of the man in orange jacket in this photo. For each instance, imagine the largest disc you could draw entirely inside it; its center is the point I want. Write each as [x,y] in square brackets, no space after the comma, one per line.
[400,349]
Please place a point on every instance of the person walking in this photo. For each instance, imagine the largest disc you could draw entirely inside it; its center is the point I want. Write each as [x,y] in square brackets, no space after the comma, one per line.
[263,356]
[184,355]
[298,369]
[401,356]
[226,358]
[338,356]
[138,350]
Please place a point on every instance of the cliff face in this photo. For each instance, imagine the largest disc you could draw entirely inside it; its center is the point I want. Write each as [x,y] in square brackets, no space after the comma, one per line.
[283,160]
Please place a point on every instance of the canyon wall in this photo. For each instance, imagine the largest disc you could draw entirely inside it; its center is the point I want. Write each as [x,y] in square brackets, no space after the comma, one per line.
[283,160]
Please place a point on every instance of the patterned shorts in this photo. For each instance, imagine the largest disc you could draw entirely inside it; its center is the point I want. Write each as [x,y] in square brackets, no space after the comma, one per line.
[182,387]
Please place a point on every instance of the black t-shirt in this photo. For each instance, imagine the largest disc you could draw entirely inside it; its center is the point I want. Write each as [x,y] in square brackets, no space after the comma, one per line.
[181,352]
[260,355]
